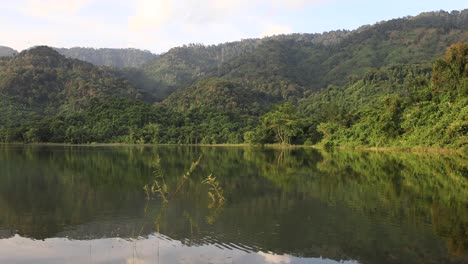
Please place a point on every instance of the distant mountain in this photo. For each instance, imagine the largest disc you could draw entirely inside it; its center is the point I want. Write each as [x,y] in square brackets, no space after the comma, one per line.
[42,79]
[45,96]
[182,66]
[7,52]
[117,58]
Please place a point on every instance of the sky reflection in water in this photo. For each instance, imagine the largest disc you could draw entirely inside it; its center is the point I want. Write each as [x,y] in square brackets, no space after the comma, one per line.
[153,249]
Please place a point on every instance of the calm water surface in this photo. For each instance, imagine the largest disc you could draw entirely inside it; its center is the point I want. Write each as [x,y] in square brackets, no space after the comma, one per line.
[87,205]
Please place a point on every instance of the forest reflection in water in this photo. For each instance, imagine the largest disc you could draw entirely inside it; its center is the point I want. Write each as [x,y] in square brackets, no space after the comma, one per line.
[292,206]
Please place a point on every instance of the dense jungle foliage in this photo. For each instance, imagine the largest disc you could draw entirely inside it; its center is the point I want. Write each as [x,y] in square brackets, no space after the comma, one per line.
[385,85]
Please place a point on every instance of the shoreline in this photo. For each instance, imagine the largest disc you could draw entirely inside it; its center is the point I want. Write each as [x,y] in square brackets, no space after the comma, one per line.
[426,150]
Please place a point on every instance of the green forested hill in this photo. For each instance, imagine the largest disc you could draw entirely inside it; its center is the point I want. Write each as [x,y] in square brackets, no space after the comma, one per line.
[39,83]
[397,106]
[385,85]
[410,40]
[40,78]
[181,67]
[288,66]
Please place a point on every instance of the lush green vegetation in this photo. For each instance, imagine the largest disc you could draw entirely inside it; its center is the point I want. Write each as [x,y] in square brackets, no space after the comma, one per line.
[399,106]
[386,85]
[289,66]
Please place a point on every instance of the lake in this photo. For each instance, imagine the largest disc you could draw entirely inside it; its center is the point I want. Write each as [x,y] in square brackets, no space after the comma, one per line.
[69,204]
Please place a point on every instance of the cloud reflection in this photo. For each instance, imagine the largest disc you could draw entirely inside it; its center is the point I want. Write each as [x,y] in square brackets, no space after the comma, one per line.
[154,249]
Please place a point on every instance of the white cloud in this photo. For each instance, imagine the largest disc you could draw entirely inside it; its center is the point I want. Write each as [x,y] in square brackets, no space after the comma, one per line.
[151,14]
[150,24]
[154,14]
[161,24]
[275,259]
[276,30]
[295,3]
[158,13]
[22,39]
[47,8]
[61,32]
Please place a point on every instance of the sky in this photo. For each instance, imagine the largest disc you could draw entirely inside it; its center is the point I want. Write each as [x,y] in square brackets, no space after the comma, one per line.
[158,25]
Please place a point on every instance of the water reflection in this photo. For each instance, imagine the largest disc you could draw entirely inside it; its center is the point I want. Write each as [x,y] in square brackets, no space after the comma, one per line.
[154,249]
[301,206]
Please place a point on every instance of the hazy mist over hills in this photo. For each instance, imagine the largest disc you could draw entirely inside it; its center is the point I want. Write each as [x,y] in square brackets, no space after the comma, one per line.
[7,52]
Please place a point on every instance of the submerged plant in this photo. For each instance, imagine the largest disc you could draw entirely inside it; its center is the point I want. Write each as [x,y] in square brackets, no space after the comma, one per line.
[215,192]
[158,185]
[187,175]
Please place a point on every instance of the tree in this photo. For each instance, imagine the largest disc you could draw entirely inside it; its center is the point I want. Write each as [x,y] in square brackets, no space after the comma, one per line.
[451,72]
[31,135]
[151,133]
[283,121]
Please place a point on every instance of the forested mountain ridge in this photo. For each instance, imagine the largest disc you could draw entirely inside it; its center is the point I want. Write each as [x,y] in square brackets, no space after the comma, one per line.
[287,66]
[400,106]
[183,66]
[42,77]
[117,58]
[40,83]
